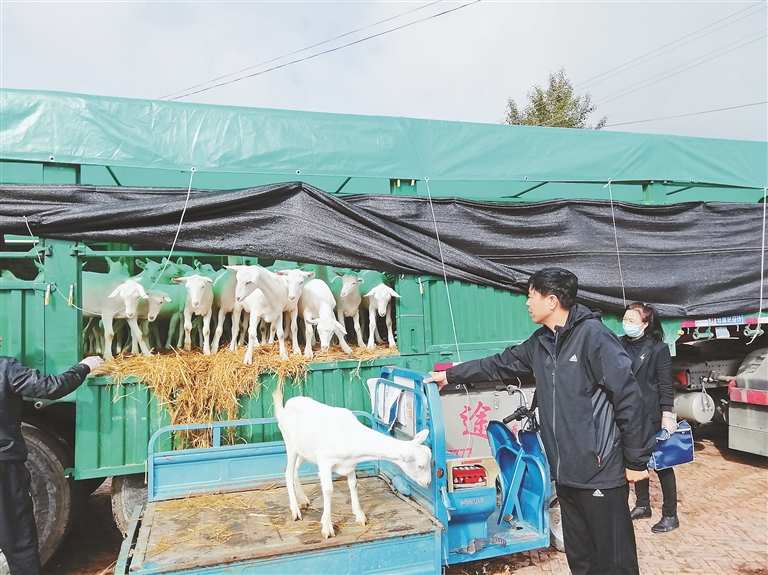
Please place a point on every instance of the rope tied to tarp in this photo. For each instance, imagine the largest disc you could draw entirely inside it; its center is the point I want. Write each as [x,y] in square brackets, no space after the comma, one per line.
[616,239]
[762,270]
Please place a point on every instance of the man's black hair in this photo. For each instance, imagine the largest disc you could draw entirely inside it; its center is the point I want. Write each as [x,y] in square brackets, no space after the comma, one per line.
[558,282]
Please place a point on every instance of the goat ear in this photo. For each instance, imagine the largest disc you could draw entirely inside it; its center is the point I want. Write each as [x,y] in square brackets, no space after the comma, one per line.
[341,327]
[207,280]
[370,293]
[360,280]
[421,436]
[142,293]
[309,275]
[336,273]
[311,321]
[179,280]
[392,292]
[167,299]
[115,292]
[281,272]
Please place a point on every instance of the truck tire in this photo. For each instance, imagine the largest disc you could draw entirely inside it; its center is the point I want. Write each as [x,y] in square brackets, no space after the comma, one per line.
[56,498]
[555,524]
[128,491]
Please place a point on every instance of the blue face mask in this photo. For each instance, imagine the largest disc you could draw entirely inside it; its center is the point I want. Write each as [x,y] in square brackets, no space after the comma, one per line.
[633,329]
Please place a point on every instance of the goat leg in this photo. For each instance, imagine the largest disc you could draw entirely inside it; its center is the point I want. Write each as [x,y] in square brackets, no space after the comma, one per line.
[359,515]
[326,482]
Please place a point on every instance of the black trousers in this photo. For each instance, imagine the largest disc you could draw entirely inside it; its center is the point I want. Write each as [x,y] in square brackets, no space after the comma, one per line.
[668,491]
[18,532]
[597,531]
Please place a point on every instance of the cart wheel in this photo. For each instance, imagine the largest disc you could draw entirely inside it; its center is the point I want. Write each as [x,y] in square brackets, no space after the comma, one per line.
[555,524]
[128,491]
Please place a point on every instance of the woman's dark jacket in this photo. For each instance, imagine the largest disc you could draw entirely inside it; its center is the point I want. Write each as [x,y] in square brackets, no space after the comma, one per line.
[653,371]
[593,419]
[18,381]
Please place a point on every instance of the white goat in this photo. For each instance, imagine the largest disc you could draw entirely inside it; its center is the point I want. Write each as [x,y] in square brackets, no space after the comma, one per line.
[294,283]
[333,439]
[316,307]
[148,311]
[250,278]
[255,307]
[154,273]
[346,291]
[378,300]
[224,287]
[199,302]
[113,297]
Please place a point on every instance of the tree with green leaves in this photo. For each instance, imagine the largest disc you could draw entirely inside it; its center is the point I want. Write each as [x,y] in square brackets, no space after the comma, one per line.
[557,106]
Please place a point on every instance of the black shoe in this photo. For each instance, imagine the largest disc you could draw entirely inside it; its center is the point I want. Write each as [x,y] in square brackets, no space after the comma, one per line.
[640,513]
[666,524]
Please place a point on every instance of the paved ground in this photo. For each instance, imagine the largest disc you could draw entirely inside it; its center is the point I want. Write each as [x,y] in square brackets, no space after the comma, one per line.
[723,508]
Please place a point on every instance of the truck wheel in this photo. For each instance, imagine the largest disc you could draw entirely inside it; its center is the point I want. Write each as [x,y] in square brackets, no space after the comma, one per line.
[128,491]
[56,499]
[555,525]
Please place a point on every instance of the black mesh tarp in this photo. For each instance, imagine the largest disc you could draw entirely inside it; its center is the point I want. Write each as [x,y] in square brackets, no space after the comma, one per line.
[691,259]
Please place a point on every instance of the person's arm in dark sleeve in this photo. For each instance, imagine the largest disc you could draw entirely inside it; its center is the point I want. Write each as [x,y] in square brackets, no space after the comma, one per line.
[510,363]
[30,383]
[612,368]
[664,378]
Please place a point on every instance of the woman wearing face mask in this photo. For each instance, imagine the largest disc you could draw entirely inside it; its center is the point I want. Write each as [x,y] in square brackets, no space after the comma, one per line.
[652,366]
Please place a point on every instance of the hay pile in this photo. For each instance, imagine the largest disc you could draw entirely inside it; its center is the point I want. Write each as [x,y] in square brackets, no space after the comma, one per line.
[197,388]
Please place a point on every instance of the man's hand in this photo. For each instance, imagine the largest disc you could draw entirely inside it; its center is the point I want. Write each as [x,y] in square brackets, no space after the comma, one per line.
[635,476]
[438,377]
[93,362]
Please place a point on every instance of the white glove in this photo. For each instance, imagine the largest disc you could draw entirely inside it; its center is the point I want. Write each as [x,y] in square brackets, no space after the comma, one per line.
[93,362]
[669,421]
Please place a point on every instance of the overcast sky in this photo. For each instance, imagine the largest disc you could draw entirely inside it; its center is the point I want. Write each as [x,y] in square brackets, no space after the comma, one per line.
[462,65]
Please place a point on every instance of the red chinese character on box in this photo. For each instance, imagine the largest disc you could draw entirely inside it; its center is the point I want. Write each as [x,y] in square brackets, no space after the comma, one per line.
[475,423]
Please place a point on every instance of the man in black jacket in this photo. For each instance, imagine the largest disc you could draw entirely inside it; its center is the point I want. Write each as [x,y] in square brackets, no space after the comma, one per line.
[18,533]
[594,425]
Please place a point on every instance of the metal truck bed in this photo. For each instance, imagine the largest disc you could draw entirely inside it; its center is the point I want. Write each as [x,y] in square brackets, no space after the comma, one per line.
[252,532]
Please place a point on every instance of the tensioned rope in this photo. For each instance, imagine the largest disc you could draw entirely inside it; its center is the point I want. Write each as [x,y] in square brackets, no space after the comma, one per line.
[616,239]
[442,263]
[762,272]
[468,403]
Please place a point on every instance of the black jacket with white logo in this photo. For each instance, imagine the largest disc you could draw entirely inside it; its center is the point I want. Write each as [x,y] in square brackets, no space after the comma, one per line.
[593,419]
[653,371]
[18,381]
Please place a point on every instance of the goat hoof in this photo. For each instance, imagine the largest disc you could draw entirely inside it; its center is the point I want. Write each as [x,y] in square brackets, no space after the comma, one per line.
[328,532]
[360,520]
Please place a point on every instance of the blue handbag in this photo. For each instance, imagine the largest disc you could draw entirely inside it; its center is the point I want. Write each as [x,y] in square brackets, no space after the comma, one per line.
[672,449]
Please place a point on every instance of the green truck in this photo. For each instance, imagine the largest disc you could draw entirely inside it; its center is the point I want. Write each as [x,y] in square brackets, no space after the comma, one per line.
[62,147]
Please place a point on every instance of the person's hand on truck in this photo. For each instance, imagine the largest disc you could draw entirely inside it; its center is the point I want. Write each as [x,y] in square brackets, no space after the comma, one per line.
[438,377]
